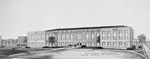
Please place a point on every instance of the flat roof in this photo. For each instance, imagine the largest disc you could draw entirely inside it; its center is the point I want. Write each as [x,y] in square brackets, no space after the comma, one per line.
[78,28]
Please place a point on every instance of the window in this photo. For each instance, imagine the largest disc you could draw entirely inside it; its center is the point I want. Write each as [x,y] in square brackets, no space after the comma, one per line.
[108,35]
[125,34]
[61,44]
[63,36]
[108,43]
[67,36]
[120,43]
[90,43]
[38,36]
[114,34]
[125,43]
[59,36]
[103,35]
[79,36]
[87,36]
[120,34]
[103,43]
[71,35]
[42,36]
[114,43]
[92,35]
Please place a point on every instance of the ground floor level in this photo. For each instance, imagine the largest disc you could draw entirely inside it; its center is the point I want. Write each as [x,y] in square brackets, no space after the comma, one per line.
[104,44]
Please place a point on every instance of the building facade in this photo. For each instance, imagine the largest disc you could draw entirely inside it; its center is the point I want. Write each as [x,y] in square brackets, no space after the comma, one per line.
[9,43]
[120,37]
[36,39]
[22,41]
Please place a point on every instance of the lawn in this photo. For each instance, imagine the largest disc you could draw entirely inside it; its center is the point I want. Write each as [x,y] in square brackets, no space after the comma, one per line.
[11,51]
[8,51]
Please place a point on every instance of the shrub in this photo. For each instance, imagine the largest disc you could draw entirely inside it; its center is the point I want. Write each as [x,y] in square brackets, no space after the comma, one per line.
[70,45]
[83,46]
[46,47]
[134,47]
[139,46]
[2,46]
[99,47]
[74,45]
[27,47]
[130,49]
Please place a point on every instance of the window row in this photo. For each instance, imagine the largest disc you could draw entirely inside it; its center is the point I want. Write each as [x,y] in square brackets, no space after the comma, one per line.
[115,34]
[36,37]
[72,43]
[36,43]
[115,43]
[77,36]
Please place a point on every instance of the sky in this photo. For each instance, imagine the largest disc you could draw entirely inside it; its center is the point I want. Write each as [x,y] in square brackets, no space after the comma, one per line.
[17,17]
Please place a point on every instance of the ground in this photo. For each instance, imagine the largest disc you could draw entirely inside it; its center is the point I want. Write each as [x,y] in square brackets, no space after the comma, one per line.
[73,53]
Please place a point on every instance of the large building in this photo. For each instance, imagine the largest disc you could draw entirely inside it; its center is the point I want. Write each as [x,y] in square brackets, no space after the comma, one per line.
[36,39]
[120,37]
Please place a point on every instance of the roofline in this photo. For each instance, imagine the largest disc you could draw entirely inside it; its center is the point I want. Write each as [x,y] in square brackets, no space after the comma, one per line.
[78,28]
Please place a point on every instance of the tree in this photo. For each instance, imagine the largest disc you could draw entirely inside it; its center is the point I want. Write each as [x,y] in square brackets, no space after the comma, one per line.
[51,40]
[2,43]
[98,39]
[141,38]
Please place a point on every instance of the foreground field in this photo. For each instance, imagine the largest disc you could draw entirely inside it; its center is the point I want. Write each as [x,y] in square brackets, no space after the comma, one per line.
[10,51]
[81,54]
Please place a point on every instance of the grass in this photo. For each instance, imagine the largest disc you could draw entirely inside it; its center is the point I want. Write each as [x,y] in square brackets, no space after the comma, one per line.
[7,52]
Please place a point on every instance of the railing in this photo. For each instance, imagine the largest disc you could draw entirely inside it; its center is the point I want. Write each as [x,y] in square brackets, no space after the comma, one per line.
[146,50]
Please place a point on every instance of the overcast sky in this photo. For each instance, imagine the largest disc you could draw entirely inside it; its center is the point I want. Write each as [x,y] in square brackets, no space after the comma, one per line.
[17,17]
